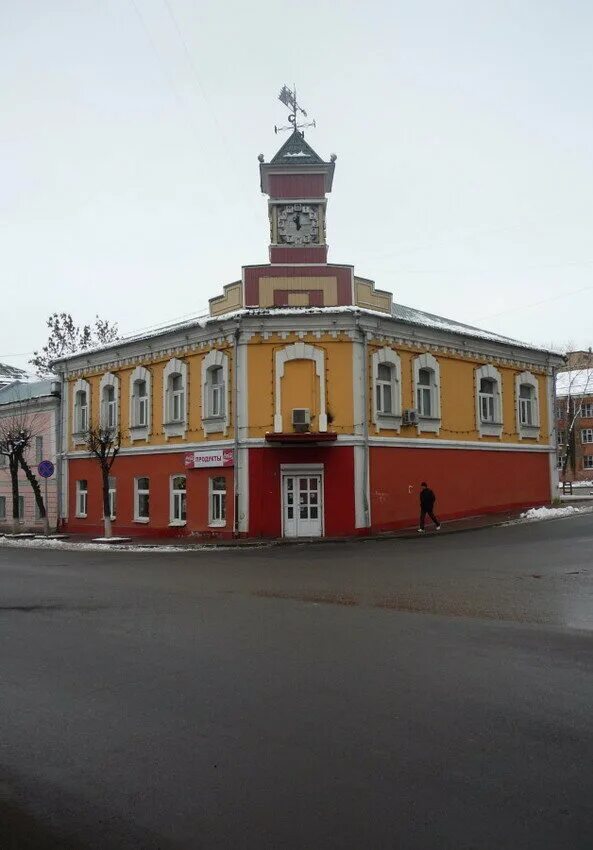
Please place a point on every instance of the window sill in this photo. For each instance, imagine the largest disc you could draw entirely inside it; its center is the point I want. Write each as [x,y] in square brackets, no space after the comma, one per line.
[214,424]
[490,429]
[80,516]
[138,432]
[529,431]
[177,523]
[143,519]
[175,429]
[428,424]
[217,524]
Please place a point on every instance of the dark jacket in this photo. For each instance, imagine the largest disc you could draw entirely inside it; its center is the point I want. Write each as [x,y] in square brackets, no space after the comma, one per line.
[427,499]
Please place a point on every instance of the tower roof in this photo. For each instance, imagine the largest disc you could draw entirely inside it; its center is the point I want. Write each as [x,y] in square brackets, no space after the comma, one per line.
[295,157]
[296,151]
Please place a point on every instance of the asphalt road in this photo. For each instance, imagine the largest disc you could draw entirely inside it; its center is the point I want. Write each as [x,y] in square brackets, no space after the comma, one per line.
[409,694]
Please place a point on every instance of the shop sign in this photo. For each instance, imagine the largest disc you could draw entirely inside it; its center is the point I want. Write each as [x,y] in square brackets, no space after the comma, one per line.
[209,458]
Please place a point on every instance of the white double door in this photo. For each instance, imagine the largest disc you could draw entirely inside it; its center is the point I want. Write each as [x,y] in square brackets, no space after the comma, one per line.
[302,504]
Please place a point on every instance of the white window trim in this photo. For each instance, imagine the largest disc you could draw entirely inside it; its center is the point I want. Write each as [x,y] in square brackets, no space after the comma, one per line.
[216,523]
[109,380]
[79,437]
[428,424]
[174,429]
[172,521]
[393,421]
[215,424]
[587,431]
[489,429]
[77,512]
[137,517]
[299,351]
[140,432]
[529,431]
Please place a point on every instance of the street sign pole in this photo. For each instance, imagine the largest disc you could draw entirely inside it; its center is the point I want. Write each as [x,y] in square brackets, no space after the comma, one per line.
[46,517]
[46,469]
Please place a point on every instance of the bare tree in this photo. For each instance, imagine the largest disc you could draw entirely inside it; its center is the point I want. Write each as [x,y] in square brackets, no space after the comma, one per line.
[104,444]
[572,409]
[17,433]
[66,337]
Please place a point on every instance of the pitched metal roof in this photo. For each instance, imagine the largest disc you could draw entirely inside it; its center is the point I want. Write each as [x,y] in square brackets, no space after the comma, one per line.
[19,391]
[296,151]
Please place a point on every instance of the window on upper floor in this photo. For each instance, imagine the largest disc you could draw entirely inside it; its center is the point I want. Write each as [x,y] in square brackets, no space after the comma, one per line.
[140,406]
[109,390]
[140,395]
[424,393]
[427,392]
[386,397]
[488,401]
[175,398]
[384,389]
[487,388]
[587,410]
[561,437]
[587,435]
[215,390]
[527,404]
[38,449]
[81,411]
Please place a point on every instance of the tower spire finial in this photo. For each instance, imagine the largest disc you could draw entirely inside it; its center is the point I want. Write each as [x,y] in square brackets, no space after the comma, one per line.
[288,98]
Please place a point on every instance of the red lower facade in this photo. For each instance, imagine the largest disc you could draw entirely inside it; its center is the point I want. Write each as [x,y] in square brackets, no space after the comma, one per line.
[284,483]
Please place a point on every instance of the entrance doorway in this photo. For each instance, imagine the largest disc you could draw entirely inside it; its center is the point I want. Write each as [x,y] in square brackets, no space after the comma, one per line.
[302,504]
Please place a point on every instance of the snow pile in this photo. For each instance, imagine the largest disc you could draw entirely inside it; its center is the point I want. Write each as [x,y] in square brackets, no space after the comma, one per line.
[536,514]
[12,543]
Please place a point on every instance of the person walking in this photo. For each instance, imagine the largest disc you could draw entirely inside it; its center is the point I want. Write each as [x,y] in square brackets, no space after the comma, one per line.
[427,500]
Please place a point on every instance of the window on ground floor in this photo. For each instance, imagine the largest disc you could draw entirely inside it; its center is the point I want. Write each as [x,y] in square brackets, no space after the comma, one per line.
[112,497]
[588,462]
[37,512]
[178,500]
[141,499]
[2,507]
[21,507]
[587,435]
[218,501]
[81,497]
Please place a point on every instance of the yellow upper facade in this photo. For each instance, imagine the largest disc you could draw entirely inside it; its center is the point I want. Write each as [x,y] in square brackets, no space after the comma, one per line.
[246,378]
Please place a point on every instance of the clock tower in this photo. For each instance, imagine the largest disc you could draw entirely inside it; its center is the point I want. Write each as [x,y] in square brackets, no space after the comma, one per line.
[297,181]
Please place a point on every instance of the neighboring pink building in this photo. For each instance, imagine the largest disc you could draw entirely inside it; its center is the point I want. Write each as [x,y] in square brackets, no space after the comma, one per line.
[38,403]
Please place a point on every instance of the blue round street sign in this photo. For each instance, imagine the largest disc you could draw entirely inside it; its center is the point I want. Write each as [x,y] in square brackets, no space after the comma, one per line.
[46,469]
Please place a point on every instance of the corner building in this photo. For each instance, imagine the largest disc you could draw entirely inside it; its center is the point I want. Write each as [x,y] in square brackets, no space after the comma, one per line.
[307,403]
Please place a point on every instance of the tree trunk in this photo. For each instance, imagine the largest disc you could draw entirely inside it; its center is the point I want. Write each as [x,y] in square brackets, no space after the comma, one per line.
[13,465]
[106,511]
[36,492]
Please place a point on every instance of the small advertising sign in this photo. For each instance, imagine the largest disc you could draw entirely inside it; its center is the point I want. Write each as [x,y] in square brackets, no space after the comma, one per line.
[208,458]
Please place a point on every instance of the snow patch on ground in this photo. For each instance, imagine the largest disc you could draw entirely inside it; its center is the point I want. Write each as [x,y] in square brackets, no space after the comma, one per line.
[536,514]
[12,543]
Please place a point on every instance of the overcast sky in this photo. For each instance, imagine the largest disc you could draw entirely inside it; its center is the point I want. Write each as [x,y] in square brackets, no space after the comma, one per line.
[130,131]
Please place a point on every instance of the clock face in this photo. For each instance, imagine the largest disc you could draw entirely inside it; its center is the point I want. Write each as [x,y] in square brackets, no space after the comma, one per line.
[298,224]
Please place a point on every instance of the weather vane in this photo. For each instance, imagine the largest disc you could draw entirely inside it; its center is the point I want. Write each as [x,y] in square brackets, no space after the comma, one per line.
[288,98]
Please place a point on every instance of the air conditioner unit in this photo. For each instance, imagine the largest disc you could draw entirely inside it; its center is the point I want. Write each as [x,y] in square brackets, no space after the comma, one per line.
[410,417]
[301,418]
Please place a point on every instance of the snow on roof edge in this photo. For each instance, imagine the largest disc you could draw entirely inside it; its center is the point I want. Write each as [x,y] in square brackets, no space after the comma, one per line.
[408,315]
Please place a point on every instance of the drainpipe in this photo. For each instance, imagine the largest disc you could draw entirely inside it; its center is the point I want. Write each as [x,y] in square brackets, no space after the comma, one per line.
[236,337]
[59,438]
[365,426]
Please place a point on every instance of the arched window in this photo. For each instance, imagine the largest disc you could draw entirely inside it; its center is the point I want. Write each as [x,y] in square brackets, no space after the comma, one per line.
[427,392]
[81,410]
[175,398]
[527,405]
[109,401]
[215,387]
[488,401]
[140,391]
[386,370]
